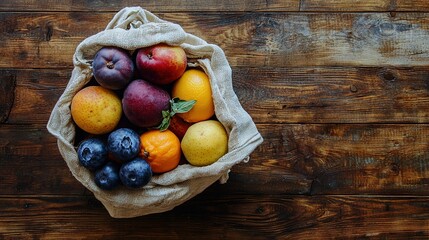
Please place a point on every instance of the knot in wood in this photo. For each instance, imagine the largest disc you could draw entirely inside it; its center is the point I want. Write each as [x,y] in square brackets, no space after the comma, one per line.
[388,75]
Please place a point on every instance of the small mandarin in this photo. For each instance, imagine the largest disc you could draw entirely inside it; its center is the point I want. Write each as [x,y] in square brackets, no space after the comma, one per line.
[161,149]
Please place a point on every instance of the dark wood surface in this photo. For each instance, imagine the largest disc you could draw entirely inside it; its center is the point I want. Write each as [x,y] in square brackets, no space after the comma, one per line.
[338,89]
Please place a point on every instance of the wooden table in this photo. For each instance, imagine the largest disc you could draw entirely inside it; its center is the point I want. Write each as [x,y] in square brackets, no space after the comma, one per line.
[339,89]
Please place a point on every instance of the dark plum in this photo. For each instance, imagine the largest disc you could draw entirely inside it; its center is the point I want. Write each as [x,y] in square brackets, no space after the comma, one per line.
[136,173]
[107,177]
[113,68]
[144,102]
[92,153]
[123,144]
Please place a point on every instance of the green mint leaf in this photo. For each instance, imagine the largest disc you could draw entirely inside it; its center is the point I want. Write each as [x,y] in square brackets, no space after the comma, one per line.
[164,124]
[165,114]
[177,106]
[181,106]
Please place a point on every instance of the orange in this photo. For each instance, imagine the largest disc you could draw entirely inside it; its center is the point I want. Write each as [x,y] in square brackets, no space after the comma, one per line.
[161,149]
[96,110]
[194,84]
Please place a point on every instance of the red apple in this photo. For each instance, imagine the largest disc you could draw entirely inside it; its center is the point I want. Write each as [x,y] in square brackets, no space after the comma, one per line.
[161,63]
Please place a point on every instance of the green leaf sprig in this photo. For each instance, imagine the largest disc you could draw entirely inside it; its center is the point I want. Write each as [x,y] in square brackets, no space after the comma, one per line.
[176,106]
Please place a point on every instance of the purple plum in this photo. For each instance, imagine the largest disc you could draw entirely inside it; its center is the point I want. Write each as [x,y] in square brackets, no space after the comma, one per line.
[143,103]
[113,68]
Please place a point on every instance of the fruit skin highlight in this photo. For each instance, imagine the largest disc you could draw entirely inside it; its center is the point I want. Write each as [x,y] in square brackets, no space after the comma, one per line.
[96,110]
[204,143]
[161,149]
[194,84]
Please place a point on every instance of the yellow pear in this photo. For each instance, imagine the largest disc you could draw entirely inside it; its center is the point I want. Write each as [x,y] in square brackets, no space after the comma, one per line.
[204,143]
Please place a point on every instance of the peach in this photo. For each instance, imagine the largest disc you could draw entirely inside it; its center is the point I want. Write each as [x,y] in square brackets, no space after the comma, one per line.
[96,110]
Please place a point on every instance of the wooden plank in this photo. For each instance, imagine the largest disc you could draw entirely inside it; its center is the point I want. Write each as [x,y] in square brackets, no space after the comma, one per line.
[348,158]
[364,5]
[164,5]
[415,5]
[217,5]
[44,40]
[333,95]
[34,94]
[229,217]
[293,95]
[347,5]
[293,159]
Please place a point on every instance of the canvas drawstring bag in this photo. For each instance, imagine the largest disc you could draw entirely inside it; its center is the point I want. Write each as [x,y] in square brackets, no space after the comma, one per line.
[130,29]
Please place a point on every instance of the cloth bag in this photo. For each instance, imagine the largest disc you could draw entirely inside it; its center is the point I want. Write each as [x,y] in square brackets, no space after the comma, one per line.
[133,28]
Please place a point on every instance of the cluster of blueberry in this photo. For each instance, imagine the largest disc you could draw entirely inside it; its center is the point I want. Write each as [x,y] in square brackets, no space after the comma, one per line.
[127,167]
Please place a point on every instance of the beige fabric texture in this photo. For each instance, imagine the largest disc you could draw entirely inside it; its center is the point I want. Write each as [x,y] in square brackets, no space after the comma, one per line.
[133,28]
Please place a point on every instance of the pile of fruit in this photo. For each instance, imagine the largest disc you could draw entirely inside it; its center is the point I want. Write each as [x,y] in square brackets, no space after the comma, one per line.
[144,113]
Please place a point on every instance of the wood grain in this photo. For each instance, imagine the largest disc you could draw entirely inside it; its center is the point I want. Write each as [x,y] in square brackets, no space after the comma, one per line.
[415,5]
[33,94]
[7,94]
[353,159]
[227,217]
[160,5]
[218,5]
[333,95]
[41,40]
[339,91]
[294,159]
[344,5]
[363,5]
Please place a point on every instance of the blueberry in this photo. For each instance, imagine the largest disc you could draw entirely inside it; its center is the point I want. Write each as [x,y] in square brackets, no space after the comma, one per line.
[92,153]
[107,177]
[136,173]
[123,144]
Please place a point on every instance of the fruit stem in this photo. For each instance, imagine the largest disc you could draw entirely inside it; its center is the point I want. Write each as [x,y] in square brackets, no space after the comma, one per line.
[110,65]
[145,154]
